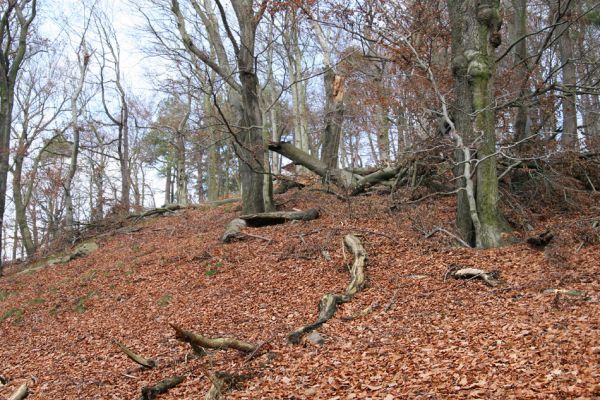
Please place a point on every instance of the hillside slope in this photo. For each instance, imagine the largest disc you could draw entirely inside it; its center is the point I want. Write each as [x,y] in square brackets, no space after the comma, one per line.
[426,337]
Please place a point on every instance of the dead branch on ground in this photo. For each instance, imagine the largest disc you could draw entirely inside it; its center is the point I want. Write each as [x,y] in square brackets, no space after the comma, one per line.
[144,362]
[212,343]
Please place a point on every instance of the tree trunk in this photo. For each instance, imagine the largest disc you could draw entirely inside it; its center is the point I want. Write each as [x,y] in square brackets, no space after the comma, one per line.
[182,181]
[249,144]
[566,44]
[334,116]
[475,34]
[21,206]
[522,119]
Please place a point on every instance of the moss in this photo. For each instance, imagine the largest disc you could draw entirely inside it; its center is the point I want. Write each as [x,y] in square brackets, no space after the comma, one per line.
[88,276]
[80,306]
[165,300]
[36,301]
[4,294]
[15,313]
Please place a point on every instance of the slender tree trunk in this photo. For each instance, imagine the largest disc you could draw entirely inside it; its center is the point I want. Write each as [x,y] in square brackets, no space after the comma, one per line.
[566,45]
[21,206]
[168,184]
[522,119]
[182,180]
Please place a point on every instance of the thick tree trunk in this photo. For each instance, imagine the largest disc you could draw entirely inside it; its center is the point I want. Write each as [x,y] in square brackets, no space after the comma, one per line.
[475,35]
[334,117]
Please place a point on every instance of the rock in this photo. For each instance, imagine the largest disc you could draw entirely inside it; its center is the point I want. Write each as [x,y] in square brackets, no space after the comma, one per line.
[315,338]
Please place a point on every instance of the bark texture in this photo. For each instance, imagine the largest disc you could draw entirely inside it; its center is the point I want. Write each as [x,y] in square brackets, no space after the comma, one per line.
[329,303]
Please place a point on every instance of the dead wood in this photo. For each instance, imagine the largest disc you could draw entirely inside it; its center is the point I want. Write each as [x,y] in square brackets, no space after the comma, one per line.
[21,393]
[144,362]
[540,241]
[355,181]
[329,302]
[285,184]
[221,382]
[150,392]
[491,278]
[447,232]
[212,343]
[233,230]
[362,313]
[279,217]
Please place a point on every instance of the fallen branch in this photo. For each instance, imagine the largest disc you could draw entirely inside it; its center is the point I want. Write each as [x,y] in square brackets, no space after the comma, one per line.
[221,382]
[21,393]
[329,302]
[212,343]
[150,392]
[491,278]
[144,362]
[440,229]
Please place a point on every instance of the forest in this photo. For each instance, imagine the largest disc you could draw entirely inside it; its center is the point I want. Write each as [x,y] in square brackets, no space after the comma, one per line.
[197,181]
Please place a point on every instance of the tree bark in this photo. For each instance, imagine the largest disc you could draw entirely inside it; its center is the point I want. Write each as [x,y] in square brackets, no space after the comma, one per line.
[475,34]
[566,45]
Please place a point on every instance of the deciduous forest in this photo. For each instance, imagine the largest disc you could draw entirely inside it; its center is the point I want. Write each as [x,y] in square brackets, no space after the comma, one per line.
[303,199]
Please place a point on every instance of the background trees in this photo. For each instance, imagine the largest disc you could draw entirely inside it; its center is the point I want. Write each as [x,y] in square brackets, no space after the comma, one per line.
[179,101]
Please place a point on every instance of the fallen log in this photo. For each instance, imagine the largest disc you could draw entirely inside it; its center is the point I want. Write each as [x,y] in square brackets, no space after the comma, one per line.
[329,302]
[233,230]
[212,343]
[144,362]
[21,393]
[354,181]
[150,392]
[491,278]
[279,217]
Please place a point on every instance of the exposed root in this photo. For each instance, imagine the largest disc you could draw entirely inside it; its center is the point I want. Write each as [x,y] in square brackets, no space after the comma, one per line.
[329,302]
[362,313]
[150,392]
[21,393]
[221,382]
[491,278]
[212,343]
[144,362]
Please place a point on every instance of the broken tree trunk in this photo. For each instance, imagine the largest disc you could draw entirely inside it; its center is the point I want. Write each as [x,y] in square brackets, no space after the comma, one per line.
[348,180]
[491,278]
[233,229]
[212,343]
[329,302]
[21,393]
[144,362]
[150,392]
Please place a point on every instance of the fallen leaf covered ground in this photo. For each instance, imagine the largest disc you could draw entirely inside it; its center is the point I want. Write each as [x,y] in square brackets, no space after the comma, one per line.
[426,337]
